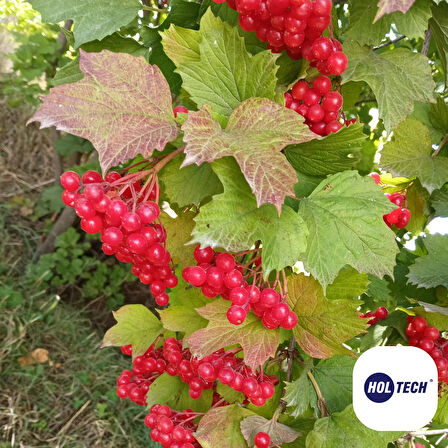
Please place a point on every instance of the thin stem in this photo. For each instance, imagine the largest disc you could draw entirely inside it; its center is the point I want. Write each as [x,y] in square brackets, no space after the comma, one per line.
[290,355]
[321,403]
[430,432]
[391,42]
[427,42]
[442,144]
[167,159]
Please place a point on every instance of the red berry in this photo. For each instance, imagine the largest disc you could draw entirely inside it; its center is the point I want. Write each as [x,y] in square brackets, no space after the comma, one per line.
[69,198]
[381,312]
[396,198]
[322,7]
[322,85]
[91,177]
[375,177]
[332,101]
[236,315]
[403,218]
[322,48]
[70,181]
[311,97]
[194,275]
[179,110]
[426,344]
[299,90]
[431,333]
[315,113]
[337,63]
[333,127]
[92,225]
[262,440]
[277,7]
[419,324]
[233,279]
[225,262]
[290,322]
[204,255]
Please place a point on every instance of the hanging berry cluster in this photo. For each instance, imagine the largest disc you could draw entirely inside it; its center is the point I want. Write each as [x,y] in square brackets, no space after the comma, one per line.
[374,316]
[198,374]
[317,103]
[124,211]
[243,285]
[428,339]
[172,429]
[401,216]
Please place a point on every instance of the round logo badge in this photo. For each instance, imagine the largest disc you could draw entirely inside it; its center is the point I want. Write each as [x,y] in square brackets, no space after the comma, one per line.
[379,387]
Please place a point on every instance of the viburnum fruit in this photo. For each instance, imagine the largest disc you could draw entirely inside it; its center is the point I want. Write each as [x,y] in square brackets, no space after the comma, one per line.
[380,313]
[429,339]
[401,216]
[199,374]
[126,213]
[317,103]
[296,26]
[262,440]
[219,273]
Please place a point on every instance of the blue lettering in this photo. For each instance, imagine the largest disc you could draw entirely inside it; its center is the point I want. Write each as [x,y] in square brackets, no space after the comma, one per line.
[422,388]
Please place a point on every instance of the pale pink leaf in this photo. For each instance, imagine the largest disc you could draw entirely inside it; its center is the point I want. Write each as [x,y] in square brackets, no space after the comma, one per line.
[390,6]
[257,131]
[122,105]
[258,343]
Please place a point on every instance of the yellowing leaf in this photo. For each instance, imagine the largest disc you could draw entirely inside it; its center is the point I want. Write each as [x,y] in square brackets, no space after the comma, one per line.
[258,343]
[323,324]
[122,105]
[136,325]
[220,427]
[257,130]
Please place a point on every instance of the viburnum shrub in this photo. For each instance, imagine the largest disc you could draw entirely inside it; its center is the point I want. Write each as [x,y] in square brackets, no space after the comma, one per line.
[269,168]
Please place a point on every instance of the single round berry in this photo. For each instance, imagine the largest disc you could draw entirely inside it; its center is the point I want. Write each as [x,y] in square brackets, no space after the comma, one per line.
[70,181]
[262,440]
[236,315]
[194,275]
[92,225]
[91,177]
[203,255]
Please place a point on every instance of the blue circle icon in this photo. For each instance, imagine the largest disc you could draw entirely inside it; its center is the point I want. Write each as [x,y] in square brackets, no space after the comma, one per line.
[379,387]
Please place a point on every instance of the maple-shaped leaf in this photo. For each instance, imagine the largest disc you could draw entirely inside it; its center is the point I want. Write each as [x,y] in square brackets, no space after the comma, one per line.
[324,325]
[136,325]
[257,130]
[344,215]
[390,6]
[181,314]
[409,154]
[233,221]
[122,105]
[300,395]
[258,343]
[94,20]
[278,432]
[349,284]
[343,429]
[431,270]
[220,427]
[172,391]
[179,234]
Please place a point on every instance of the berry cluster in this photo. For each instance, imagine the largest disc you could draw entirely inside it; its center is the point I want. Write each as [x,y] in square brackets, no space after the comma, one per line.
[120,208]
[170,428]
[379,314]
[317,103]
[198,374]
[428,339]
[220,274]
[401,216]
[262,440]
[295,26]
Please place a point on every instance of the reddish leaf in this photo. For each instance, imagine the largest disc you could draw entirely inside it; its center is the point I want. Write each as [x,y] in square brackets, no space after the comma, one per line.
[324,325]
[278,432]
[390,6]
[258,343]
[257,130]
[122,105]
[220,427]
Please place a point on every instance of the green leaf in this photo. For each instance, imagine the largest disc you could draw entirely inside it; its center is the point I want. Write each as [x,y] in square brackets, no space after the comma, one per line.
[343,429]
[409,154]
[323,325]
[397,78]
[94,19]
[442,410]
[179,234]
[122,105]
[258,343]
[239,77]
[366,29]
[439,201]
[190,184]
[181,314]
[170,390]
[345,217]
[335,379]
[67,74]
[257,131]
[337,152]
[300,395]
[417,203]
[221,427]
[10,297]
[436,316]
[230,395]
[233,221]
[278,432]
[181,44]
[136,325]
[439,32]
[349,284]
[432,269]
